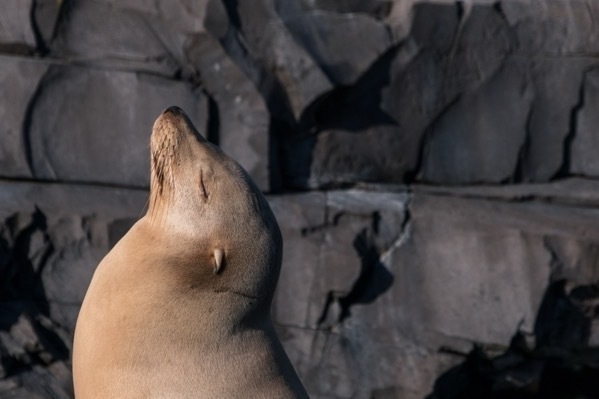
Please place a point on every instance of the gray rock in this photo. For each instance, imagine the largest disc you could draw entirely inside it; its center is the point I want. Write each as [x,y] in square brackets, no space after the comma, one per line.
[480,137]
[574,192]
[385,289]
[16,31]
[344,45]
[35,358]
[51,248]
[39,383]
[354,136]
[413,98]
[102,138]
[45,15]
[382,157]
[449,259]
[20,78]
[301,257]
[469,254]
[60,198]
[541,216]
[557,89]
[79,245]
[553,27]
[481,44]
[238,115]
[184,15]
[132,36]
[269,40]
[337,248]
[283,72]
[435,25]
[318,230]
[51,238]
[375,8]
[583,159]
[445,57]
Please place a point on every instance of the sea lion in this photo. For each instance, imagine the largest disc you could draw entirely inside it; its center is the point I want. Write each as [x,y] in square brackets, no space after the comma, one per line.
[180,307]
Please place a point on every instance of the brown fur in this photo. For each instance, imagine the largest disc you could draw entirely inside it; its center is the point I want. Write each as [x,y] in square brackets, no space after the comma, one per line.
[160,319]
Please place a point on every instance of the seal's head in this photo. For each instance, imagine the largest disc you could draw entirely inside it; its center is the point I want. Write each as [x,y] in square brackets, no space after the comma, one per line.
[213,212]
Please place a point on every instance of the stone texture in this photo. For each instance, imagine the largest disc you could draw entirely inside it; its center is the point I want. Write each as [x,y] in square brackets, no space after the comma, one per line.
[287,79]
[474,252]
[373,285]
[238,115]
[21,79]
[343,44]
[27,26]
[379,9]
[554,27]
[445,260]
[575,192]
[16,31]
[546,365]
[412,88]
[432,276]
[52,236]
[557,88]
[332,269]
[45,15]
[102,138]
[129,35]
[335,160]
[495,116]
[265,31]
[584,139]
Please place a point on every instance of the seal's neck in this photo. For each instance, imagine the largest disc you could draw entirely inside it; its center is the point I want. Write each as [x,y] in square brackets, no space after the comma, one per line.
[184,265]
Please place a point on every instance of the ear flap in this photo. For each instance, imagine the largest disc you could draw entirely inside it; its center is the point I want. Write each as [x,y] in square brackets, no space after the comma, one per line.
[218,259]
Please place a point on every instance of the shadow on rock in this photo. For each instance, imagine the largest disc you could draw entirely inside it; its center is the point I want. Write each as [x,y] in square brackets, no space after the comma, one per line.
[28,337]
[374,280]
[559,361]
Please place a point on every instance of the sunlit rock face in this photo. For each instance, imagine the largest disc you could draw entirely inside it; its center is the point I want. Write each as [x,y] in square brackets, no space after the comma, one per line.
[432,166]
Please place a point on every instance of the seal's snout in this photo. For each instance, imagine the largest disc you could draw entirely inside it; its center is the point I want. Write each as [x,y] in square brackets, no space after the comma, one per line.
[175,120]
[173,110]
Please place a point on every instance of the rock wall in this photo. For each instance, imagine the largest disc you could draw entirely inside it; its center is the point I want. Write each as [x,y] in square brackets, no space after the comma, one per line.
[432,166]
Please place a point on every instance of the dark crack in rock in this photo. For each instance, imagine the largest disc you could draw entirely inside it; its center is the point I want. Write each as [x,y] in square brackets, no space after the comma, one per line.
[21,79]
[584,139]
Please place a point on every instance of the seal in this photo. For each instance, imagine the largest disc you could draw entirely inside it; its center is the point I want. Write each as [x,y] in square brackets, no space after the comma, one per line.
[180,307]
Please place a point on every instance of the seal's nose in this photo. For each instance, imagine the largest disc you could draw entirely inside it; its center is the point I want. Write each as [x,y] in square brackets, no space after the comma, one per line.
[173,110]
[179,121]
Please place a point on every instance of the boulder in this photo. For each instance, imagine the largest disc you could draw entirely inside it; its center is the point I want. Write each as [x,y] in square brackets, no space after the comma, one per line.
[17,33]
[584,140]
[102,138]
[130,35]
[343,44]
[20,78]
[480,137]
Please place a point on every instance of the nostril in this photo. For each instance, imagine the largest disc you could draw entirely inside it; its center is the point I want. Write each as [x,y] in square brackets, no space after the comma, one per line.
[173,110]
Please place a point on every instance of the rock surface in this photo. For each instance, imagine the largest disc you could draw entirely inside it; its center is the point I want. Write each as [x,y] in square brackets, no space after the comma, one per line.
[80,138]
[432,166]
